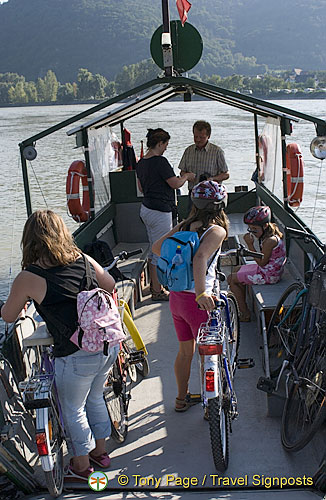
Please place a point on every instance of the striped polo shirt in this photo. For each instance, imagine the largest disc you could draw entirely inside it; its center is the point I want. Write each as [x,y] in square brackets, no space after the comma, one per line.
[209,159]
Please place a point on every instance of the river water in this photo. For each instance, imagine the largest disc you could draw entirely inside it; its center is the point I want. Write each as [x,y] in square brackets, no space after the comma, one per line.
[232,129]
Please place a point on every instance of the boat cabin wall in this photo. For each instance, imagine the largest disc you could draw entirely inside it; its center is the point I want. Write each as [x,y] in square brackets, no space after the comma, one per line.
[120,221]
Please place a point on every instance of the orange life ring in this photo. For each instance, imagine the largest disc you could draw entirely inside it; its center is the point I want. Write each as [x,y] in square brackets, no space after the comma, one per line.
[79,211]
[294,174]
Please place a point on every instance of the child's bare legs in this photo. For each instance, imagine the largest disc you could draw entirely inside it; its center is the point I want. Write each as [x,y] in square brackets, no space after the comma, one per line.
[239,290]
[182,367]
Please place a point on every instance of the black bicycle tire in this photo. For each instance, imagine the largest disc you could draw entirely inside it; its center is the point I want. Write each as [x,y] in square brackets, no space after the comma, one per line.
[118,413]
[143,367]
[116,400]
[235,322]
[292,412]
[218,419]
[54,478]
[277,350]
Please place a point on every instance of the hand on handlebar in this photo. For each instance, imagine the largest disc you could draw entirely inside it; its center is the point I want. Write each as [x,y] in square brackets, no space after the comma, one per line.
[206,302]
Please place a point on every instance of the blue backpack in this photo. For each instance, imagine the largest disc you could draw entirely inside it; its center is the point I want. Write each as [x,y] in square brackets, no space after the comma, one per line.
[178,277]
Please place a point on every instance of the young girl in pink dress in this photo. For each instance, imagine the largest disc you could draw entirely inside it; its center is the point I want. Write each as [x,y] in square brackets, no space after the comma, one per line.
[267,270]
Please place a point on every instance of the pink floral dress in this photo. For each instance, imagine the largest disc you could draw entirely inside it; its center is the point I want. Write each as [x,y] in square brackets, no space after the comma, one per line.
[253,274]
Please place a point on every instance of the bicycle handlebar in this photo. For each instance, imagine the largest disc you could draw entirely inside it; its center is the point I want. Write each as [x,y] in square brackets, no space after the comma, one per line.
[307,237]
[243,252]
[123,256]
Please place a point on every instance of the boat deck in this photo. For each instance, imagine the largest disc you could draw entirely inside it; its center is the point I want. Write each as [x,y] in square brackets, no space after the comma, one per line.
[172,447]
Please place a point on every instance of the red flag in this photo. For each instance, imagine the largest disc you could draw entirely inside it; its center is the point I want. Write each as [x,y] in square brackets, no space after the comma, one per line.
[183,7]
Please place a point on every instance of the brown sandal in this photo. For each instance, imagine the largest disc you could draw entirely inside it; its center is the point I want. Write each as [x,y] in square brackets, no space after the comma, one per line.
[162,295]
[183,404]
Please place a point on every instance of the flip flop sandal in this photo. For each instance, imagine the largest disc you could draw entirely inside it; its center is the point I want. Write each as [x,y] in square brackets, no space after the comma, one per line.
[183,404]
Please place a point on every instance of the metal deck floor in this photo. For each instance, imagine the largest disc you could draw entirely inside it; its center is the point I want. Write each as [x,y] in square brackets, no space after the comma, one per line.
[162,442]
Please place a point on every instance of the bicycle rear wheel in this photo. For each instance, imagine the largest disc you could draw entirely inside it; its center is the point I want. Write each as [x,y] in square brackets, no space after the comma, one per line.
[283,328]
[235,329]
[305,409]
[47,421]
[117,399]
[218,418]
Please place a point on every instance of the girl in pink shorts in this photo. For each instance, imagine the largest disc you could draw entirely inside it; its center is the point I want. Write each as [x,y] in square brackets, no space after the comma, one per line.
[267,270]
[189,308]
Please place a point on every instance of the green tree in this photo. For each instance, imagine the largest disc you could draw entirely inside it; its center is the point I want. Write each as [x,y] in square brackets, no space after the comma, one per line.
[66,93]
[234,82]
[135,74]
[17,94]
[51,85]
[41,90]
[31,91]
[99,84]
[85,80]
[110,89]
[4,87]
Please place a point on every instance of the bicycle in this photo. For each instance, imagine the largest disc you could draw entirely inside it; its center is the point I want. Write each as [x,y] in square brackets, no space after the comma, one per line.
[134,344]
[218,347]
[41,400]
[296,340]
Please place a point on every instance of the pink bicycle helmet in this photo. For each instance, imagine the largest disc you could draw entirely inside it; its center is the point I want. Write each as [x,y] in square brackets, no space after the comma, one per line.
[207,192]
[258,216]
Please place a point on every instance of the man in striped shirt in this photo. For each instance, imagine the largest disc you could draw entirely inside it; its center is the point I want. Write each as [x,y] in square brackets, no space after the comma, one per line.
[203,158]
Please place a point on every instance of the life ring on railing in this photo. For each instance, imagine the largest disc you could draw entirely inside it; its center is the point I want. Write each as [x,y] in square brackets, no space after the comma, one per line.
[294,174]
[77,172]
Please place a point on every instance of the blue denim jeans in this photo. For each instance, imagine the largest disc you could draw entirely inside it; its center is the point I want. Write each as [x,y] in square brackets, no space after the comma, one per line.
[79,379]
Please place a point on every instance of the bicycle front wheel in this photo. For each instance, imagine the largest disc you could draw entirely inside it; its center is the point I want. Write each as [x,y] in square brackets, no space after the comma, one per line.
[47,421]
[235,330]
[305,409]
[116,400]
[117,409]
[218,418]
[283,327]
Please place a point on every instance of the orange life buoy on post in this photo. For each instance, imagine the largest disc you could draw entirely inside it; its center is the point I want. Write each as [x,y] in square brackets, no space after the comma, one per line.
[79,211]
[294,174]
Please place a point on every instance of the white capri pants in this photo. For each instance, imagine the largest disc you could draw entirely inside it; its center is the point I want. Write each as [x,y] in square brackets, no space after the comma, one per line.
[157,223]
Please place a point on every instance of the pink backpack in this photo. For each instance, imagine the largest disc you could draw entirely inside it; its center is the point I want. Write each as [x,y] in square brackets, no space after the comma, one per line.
[99,323]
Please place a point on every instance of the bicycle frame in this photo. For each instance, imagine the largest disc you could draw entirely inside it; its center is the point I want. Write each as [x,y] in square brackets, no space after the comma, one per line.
[214,355]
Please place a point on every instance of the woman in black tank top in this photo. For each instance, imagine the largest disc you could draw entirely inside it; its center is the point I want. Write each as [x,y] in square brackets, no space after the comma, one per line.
[48,245]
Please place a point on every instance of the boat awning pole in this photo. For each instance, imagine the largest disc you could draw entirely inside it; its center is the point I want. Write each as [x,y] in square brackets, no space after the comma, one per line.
[256,142]
[285,129]
[166,40]
[89,174]
[26,182]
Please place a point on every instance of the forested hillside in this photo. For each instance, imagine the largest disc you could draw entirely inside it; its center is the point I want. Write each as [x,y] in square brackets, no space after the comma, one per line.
[240,36]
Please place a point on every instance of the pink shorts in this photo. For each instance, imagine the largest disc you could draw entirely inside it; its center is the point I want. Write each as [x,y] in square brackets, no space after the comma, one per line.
[186,316]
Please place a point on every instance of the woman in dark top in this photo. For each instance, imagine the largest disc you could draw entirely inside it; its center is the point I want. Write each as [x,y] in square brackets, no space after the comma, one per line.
[157,181]
[79,375]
